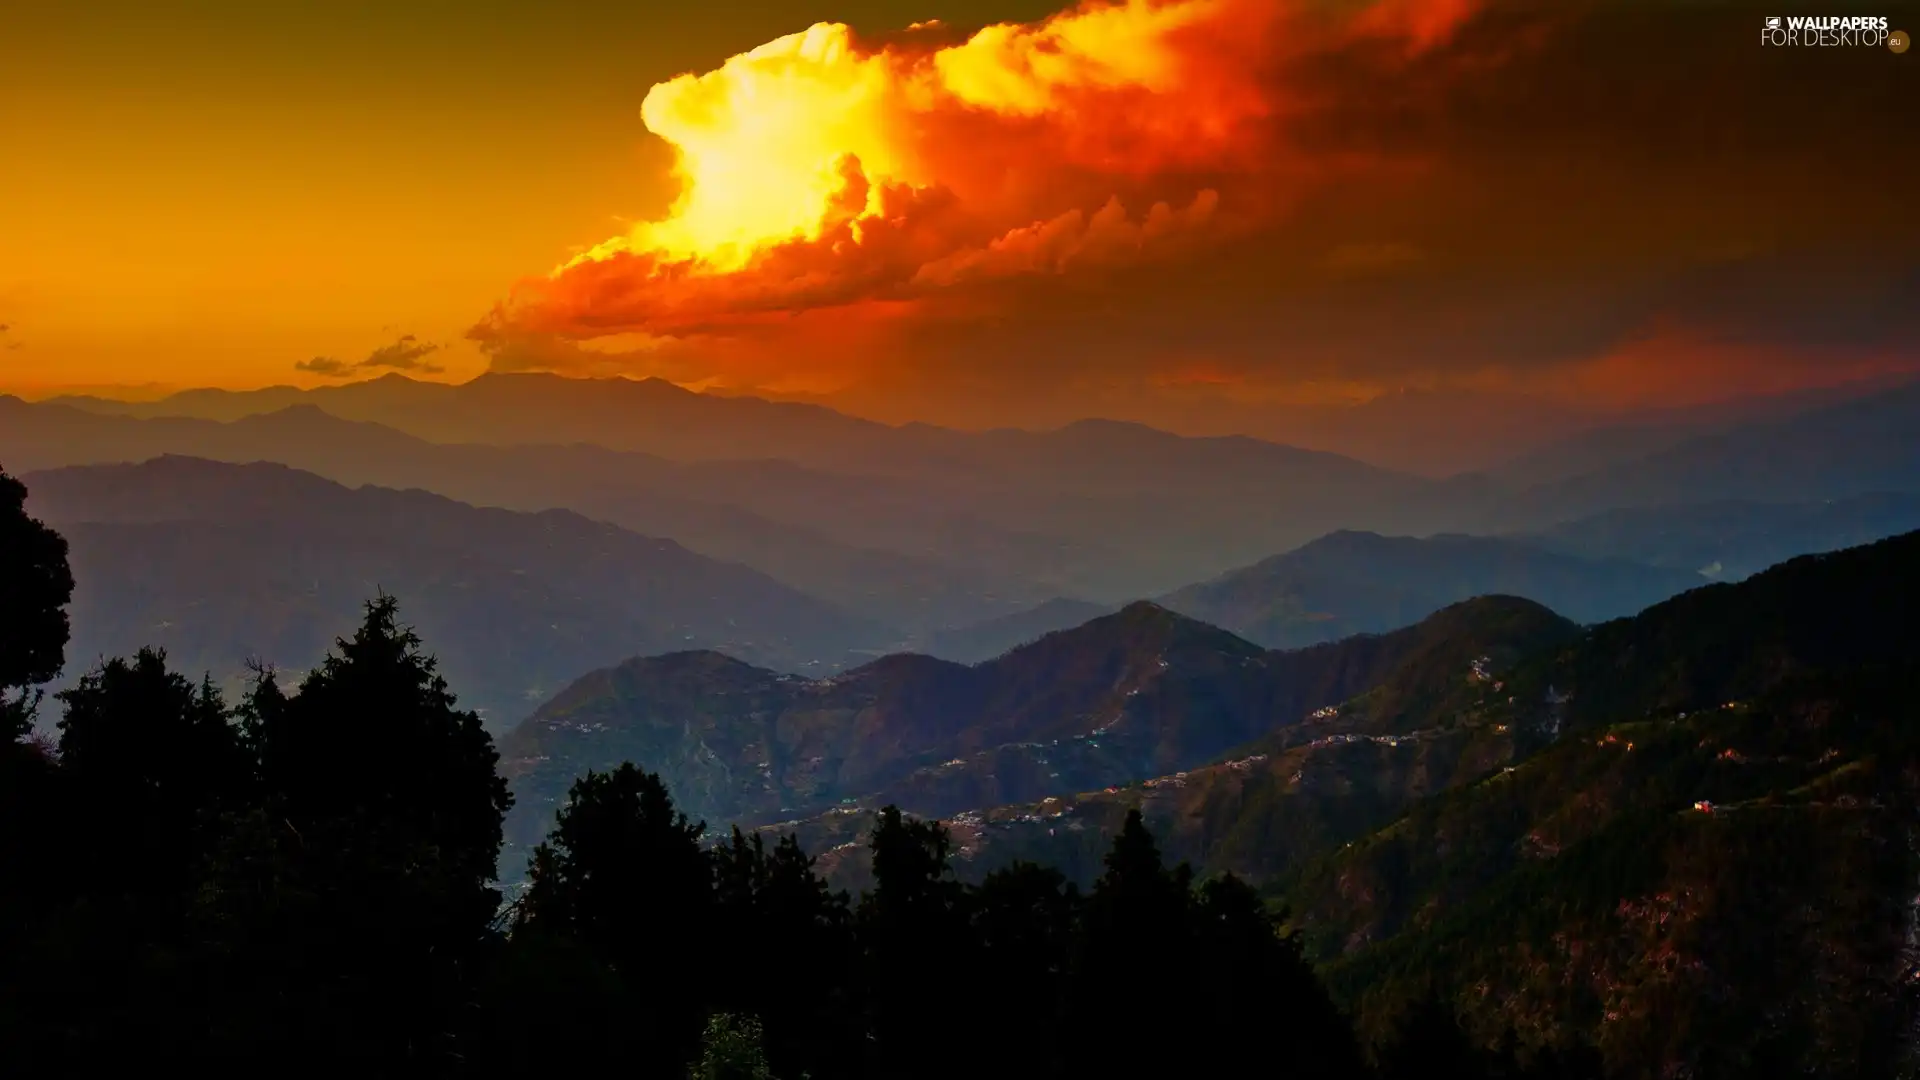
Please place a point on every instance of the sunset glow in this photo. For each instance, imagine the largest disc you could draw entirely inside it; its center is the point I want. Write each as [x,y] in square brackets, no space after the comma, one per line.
[983,213]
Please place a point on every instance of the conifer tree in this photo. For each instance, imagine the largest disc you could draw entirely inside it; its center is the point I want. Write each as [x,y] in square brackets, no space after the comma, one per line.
[623,874]
[1137,933]
[35,844]
[787,948]
[1251,977]
[152,760]
[1024,920]
[365,872]
[917,942]
[35,587]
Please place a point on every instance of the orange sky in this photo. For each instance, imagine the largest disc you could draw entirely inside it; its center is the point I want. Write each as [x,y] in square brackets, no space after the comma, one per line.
[1618,204]
[209,192]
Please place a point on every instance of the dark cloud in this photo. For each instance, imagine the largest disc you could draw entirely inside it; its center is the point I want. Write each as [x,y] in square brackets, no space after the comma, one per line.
[406,353]
[325,365]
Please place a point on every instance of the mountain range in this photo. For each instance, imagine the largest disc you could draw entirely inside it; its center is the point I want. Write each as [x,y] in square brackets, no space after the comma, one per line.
[1350,582]
[926,583]
[1127,695]
[929,530]
[221,563]
[959,543]
[223,542]
[1729,539]
[1521,440]
[1694,819]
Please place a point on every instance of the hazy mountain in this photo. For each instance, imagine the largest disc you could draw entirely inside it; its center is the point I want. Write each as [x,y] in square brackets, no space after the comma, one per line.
[649,415]
[220,562]
[1358,582]
[657,417]
[1859,447]
[988,639]
[989,523]
[1465,705]
[1520,439]
[1729,540]
[1398,676]
[1129,695]
[1096,509]
[688,503]
[1595,446]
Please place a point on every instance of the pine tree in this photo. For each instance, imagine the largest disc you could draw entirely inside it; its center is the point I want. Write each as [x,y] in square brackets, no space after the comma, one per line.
[363,876]
[1136,937]
[1024,919]
[623,874]
[35,587]
[787,954]
[1253,978]
[153,760]
[917,943]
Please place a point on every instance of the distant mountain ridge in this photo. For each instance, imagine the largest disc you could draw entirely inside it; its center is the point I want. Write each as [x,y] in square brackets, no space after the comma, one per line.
[933,531]
[647,494]
[1729,539]
[1859,447]
[1428,432]
[1352,582]
[992,637]
[220,562]
[658,417]
[1097,509]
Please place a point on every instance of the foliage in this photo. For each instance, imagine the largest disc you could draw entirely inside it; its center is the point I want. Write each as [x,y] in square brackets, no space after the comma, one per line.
[730,1049]
[35,586]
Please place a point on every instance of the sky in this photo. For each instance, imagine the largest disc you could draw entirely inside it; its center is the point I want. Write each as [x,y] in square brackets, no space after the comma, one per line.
[1208,214]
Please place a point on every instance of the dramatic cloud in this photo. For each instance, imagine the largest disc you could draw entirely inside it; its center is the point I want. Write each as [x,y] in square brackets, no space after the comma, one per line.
[819,174]
[1255,196]
[407,353]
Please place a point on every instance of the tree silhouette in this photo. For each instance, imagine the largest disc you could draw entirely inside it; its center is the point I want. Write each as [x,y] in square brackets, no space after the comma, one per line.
[1257,979]
[1024,920]
[916,939]
[35,587]
[153,759]
[377,834]
[148,763]
[786,948]
[623,874]
[1137,933]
